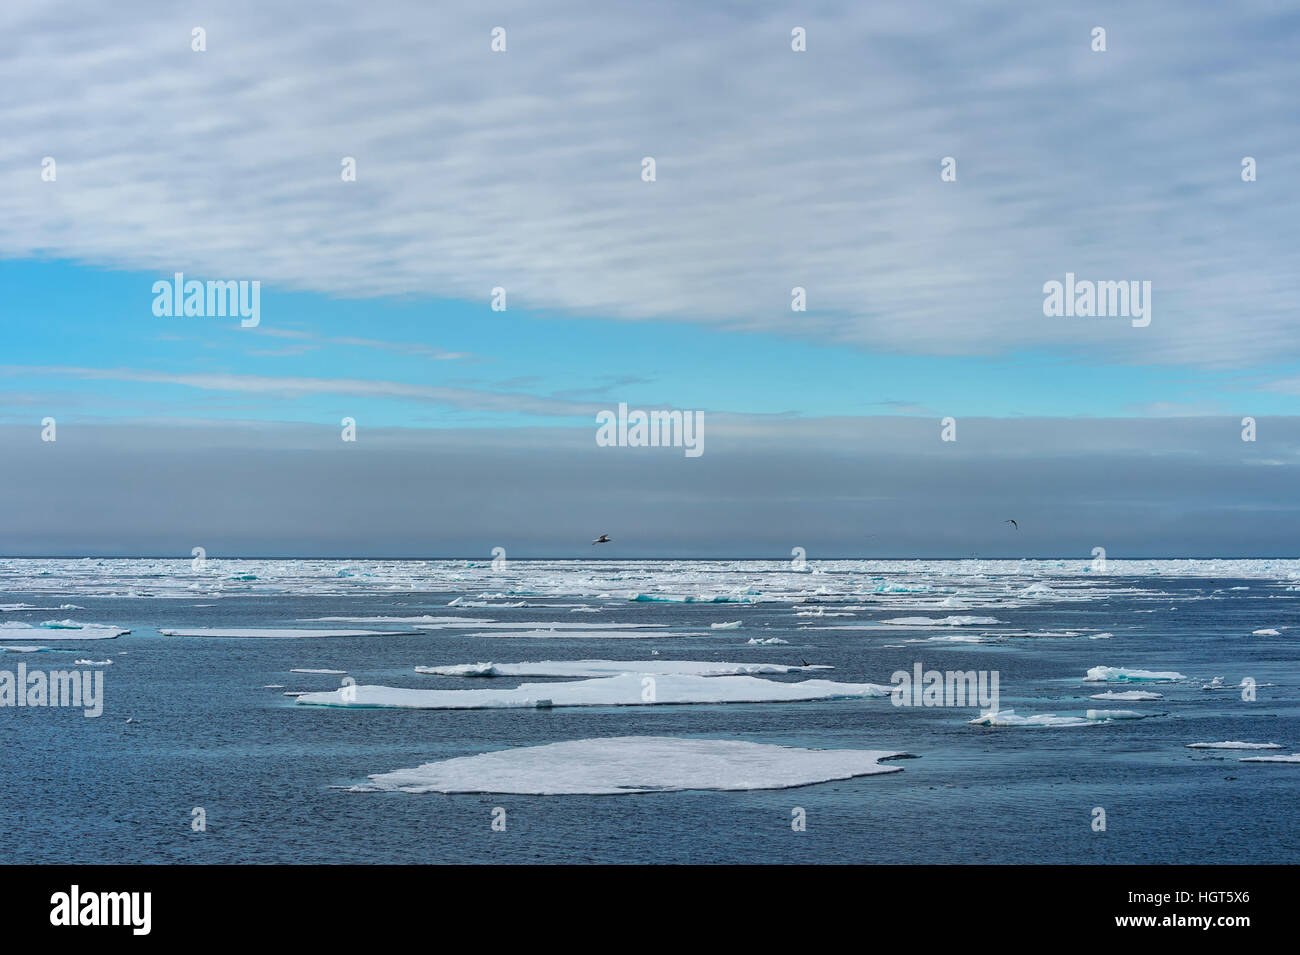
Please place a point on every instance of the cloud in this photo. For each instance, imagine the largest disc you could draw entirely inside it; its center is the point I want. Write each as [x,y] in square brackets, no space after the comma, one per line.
[295,387]
[775,169]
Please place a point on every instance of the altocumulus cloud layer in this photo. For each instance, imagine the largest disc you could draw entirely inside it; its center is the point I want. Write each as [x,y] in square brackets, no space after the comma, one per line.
[775,169]
[837,487]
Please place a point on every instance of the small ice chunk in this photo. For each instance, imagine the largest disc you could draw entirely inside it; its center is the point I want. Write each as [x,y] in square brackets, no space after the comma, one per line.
[1265,633]
[1131,696]
[1293,758]
[1118,715]
[305,670]
[1234,744]
[733,625]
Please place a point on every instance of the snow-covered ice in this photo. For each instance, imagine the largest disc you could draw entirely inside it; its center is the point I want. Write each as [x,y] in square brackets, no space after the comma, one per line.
[269,633]
[633,764]
[1131,696]
[87,631]
[1234,744]
[627,689]
[594,668]
[1125,675]
[1091,718]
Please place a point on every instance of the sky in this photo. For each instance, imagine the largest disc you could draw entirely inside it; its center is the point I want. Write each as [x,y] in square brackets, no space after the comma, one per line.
[129,156]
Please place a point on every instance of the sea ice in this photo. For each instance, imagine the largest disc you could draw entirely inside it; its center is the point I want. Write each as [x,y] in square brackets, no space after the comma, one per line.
[1234,744]
[733,625]
[1124,675]
[954,621]
[25,631]
[626,689]
[585,634]
[1265,633]
[1132,696]
[594,668]
[269,633]
[633,764]
[1293,758]
[1092,718]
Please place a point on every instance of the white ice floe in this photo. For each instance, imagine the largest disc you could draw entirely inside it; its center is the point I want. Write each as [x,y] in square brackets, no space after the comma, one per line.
[1265,633]
[1125,675]
[626,689]
[86,631]
[765,641]
[1119,715]
[733,625]
[633,764]
[36,649]
[1101,636]
[1131,696]
[305,670]
[92,663]
[953,638]
[584,634]
[269,633]
[953,621]
[409,621]
[592,668]
[1012,718]
[1293,758]
[1091,718]
[569,626]
[1234,744]
[1036,590]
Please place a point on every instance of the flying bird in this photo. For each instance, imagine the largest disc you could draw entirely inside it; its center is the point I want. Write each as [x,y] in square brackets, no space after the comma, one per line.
[1012,523]
[602,539]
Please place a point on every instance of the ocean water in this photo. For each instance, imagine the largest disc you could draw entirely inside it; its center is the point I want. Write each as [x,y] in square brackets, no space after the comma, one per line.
[273,776]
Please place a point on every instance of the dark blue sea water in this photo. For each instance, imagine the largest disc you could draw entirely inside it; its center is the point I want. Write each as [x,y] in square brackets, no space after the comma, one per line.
[206,733]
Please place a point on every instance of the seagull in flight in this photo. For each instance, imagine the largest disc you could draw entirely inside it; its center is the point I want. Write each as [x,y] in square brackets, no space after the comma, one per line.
[602,539]
[1012,523]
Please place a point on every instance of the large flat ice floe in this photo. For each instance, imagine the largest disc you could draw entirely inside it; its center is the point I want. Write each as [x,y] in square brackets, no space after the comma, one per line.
[633,764]
[626,689]
[1124,675]
[1234,744]
[269,633]
[65,630]
[1132,696]
[590,668]
[954,621]
[570,633]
